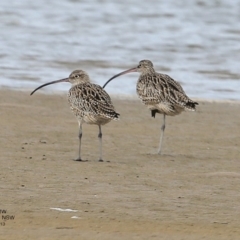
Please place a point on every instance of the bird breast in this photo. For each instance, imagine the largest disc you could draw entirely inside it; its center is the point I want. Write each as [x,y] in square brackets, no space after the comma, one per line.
[91,104]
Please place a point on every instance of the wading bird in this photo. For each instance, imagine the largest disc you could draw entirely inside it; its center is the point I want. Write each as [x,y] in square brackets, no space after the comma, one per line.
[160,93]
[89,102]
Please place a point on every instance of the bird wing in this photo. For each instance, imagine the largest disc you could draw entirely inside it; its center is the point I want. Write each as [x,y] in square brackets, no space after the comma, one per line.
[161,88]
[92,99]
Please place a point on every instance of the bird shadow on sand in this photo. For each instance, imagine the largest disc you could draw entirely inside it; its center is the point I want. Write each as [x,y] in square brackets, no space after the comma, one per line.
[170,155]
[86,160]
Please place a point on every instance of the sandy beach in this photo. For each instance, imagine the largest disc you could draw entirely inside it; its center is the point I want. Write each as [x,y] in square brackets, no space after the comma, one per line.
[189,192]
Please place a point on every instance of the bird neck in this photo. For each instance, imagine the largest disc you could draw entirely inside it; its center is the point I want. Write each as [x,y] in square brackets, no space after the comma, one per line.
[148,71]
[81,81]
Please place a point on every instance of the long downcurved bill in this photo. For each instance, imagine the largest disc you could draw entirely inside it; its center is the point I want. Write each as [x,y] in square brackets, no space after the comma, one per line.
[119,74]
[57,81]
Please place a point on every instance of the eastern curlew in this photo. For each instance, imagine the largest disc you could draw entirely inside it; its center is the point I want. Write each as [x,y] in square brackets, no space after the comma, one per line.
[89,102]
[160,93]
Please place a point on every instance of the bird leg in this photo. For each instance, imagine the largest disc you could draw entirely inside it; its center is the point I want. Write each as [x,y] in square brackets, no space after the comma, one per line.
[80,138]
[162,133]
[100,143]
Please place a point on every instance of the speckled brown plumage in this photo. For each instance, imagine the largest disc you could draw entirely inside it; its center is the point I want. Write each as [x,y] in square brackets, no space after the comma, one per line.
[89,102]
[159,92]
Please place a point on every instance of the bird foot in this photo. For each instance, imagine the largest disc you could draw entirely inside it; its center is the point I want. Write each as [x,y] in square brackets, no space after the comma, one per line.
[100,160]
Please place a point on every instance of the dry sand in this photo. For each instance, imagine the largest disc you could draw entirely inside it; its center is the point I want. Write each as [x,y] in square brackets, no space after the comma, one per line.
[190,192]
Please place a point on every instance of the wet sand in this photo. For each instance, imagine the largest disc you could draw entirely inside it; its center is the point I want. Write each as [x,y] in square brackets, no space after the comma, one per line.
[189,192]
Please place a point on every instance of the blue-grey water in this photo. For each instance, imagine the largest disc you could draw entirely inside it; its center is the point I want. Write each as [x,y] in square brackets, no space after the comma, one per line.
[197,42]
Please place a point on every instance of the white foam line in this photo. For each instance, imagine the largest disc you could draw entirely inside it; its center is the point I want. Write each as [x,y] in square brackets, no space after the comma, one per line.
[75,217]
[64,210]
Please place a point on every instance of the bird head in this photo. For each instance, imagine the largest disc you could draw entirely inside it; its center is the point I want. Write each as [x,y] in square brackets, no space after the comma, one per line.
[144,66]
[76,77]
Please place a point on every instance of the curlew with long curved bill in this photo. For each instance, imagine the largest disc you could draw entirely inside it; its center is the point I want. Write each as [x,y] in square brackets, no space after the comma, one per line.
[160,93]
[89,102]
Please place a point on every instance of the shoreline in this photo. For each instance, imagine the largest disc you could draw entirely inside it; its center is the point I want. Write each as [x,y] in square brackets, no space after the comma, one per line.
[116,96]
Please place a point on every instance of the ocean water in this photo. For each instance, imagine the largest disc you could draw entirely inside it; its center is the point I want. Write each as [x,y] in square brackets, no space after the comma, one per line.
[196,42]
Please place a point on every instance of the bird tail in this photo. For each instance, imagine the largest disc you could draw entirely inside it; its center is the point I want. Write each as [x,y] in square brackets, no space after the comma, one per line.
[191,105]
[116,115]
